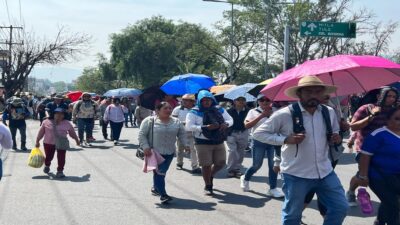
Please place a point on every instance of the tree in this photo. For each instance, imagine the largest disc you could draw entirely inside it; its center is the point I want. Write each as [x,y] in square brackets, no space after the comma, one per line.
[245,40]
[153,50]
[36,51]
[60,86]
[91,81]
[305,48]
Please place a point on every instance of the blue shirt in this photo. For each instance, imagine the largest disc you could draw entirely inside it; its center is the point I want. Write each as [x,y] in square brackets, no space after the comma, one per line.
[384,148]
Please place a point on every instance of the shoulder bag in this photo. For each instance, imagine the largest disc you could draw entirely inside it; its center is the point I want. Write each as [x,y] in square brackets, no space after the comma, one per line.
[62,143]
[140,150]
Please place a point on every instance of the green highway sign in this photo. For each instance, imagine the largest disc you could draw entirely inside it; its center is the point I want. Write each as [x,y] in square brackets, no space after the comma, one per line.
[327,29]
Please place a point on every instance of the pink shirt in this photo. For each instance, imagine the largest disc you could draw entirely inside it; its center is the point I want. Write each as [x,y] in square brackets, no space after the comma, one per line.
[63,128]
[115,113]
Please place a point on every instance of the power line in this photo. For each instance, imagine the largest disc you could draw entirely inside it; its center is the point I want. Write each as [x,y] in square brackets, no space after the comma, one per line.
[8,12]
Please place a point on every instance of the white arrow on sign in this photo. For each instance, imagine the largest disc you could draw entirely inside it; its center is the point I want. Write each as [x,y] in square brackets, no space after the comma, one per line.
[312,26]
[307,33]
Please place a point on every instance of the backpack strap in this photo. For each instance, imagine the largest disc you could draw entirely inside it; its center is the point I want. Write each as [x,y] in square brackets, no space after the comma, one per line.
[78,106]
[327,120]
[329,132]
[297,119]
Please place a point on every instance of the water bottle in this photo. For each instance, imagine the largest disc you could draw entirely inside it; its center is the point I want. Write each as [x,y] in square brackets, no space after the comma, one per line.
[365,201]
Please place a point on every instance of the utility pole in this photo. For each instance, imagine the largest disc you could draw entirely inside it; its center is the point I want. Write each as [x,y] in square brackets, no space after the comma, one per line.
[266,69]
[286,48]
[7,70]
[10,43]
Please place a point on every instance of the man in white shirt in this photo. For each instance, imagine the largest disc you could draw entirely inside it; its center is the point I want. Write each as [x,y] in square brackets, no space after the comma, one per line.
[180,112]
[305,162]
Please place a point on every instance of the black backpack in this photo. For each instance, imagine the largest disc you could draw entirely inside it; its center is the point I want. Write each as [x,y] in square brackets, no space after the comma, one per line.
[214,116]
[298,127]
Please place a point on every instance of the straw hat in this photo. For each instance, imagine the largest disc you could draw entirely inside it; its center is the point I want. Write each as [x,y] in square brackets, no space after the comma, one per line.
[189,97]
[309,81]
[59,97]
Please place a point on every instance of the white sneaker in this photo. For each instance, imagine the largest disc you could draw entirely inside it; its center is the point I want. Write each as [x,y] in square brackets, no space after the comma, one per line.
[276,193]
[244,184]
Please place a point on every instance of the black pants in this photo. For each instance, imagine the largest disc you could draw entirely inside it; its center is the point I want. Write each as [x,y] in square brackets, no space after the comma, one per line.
[388,191]
[104,126]
[116,130]
[22,132]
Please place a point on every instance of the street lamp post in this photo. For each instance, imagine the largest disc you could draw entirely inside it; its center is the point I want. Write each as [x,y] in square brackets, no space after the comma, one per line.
[231,36]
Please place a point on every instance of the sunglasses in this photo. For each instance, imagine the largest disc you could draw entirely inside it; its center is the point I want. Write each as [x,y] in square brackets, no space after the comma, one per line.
[397,118]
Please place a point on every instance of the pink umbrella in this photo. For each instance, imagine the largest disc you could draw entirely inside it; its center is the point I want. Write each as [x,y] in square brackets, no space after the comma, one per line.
[351,74]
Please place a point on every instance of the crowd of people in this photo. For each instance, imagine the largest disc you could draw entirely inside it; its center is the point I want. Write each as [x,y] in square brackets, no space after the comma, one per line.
[301,140]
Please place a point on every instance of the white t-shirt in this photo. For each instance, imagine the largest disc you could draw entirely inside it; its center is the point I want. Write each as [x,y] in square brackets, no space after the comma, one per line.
[254,113]
[180,113]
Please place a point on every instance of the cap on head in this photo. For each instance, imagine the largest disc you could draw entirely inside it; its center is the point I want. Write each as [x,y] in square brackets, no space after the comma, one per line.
[59,110]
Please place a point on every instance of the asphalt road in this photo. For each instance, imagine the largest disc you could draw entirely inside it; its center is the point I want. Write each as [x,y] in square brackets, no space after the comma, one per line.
[105,185]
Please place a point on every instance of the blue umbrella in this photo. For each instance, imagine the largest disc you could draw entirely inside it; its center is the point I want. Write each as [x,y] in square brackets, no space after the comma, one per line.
[241,91]
[187,84]
[123,92]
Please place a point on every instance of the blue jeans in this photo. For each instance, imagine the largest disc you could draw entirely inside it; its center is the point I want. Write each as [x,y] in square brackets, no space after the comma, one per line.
[85,125]
[159,176]
[258,153]
[126,116]
[329,191]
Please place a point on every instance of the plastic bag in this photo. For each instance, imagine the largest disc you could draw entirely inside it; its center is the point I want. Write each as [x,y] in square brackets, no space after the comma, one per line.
[36,158]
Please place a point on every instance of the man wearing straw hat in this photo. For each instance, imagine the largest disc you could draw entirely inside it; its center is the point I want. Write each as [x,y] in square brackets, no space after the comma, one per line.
[305,164]
[180,112]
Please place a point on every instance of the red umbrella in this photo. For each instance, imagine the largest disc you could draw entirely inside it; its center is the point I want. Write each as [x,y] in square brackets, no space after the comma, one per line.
[75,95]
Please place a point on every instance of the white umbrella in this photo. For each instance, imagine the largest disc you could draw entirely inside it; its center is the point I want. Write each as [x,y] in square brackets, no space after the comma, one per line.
[241,91]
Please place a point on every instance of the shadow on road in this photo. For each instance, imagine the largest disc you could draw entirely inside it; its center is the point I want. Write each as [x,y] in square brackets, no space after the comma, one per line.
[129,146]
[235,199]
[190,204]
[75,149]
[20,151]
[75,179]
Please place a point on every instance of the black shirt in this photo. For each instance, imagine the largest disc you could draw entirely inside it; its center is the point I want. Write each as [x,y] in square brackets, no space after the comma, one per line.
[238,119]
[50,107]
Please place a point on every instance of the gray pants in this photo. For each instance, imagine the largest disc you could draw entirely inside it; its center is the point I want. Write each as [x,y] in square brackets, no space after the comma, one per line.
[193,153]
[236,143]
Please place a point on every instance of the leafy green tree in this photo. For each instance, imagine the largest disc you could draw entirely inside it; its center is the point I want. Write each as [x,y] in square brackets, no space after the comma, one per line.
[91,81]
[155,49]
[277,16]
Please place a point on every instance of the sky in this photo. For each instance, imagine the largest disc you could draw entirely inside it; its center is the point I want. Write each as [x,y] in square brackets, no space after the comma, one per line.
[100,18]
